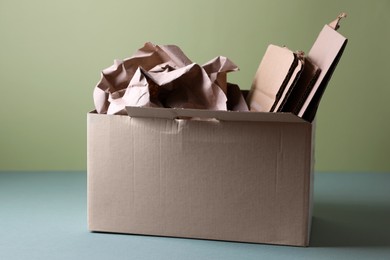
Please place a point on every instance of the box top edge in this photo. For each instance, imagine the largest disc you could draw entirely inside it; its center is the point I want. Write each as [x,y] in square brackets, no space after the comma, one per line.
[177,113]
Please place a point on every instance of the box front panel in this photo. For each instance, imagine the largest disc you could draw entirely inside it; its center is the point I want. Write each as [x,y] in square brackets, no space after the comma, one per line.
[223,180]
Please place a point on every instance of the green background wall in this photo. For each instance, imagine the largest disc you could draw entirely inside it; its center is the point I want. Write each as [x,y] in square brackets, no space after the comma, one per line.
[52,52]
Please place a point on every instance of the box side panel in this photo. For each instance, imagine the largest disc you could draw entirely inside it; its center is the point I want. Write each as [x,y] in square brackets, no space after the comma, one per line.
[292,185]
[310,184]
[240,181]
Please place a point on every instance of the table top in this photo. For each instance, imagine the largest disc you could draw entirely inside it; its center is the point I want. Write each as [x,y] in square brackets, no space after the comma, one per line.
[43,215]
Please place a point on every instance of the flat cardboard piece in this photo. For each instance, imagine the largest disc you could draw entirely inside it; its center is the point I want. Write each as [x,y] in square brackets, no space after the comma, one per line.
[248,181]
[289,87]
[276,74]
[325,53]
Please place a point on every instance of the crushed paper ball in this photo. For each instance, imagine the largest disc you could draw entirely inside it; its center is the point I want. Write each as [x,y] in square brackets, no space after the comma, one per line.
[163,76]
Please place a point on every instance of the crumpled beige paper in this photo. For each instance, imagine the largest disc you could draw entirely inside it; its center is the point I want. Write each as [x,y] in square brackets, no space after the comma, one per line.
[163,76]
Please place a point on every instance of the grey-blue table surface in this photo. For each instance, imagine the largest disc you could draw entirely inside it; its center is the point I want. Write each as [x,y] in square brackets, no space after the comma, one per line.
[43,215]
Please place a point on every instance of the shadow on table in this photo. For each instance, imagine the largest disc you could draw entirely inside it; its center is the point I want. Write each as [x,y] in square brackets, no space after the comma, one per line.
[350,225]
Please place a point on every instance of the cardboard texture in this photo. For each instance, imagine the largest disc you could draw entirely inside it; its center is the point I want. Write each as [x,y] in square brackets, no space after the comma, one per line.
[237,176]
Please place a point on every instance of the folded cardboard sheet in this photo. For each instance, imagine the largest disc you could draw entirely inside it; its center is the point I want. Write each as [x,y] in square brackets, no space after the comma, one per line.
[303,87]
[274,79]
[289,82]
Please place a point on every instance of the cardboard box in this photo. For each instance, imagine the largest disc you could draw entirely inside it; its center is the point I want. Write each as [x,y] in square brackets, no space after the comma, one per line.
[236,176]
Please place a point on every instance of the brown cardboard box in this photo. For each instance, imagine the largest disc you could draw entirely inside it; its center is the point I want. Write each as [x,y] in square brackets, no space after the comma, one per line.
[237,176]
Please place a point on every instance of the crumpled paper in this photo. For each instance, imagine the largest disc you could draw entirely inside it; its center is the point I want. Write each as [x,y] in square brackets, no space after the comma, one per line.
[163,76]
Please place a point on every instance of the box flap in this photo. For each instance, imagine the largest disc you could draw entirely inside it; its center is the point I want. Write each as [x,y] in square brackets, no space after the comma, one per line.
[174,113]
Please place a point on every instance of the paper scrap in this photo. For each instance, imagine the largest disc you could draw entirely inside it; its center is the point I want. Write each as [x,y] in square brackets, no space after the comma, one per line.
[163,76]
